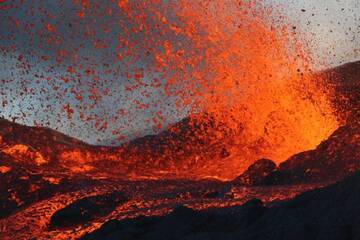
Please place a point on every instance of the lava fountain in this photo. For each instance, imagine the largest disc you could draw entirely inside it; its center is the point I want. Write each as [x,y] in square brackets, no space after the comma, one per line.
[241,65]
[238,69]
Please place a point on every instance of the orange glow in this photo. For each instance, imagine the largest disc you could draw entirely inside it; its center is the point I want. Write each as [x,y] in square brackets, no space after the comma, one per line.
[222,84]
[251,75]
[23,152]
[245,77]
[236,67]
[4,169]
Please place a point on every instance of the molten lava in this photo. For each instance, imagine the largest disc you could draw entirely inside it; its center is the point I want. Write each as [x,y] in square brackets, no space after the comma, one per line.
[232,64]
[235,77]
[238,69]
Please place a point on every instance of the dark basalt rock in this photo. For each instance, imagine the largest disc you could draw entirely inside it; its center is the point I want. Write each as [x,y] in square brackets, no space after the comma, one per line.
[330,213]
[345,80]
[125,230]
[22,182]
[182,222]
[334,159]
[256,173]
[30,184]
[45,140]
[86,209]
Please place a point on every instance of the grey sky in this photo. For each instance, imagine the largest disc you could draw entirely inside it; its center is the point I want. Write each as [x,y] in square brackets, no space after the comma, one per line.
[332,27]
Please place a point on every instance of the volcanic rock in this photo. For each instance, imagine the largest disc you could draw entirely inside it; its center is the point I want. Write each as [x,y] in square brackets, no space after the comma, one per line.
[46,150]
[182,222]
[345,80]
[23,184]
[86,209]
[327,213]
[256,173]
[29,169]
[334,159]
[19,185]
[331,213]
[126,229]
[44,140]
[188,143]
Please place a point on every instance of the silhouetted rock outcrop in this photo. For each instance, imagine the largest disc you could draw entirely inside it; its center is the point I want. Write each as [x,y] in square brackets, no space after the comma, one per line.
[335,158]
[45,140]
[256,173]
[182,222]
[332,212]
[86,209]
[346,82]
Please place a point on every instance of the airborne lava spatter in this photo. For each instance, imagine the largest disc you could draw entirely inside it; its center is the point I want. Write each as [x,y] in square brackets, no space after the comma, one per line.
[241,74]
[249,74]
[221,83]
